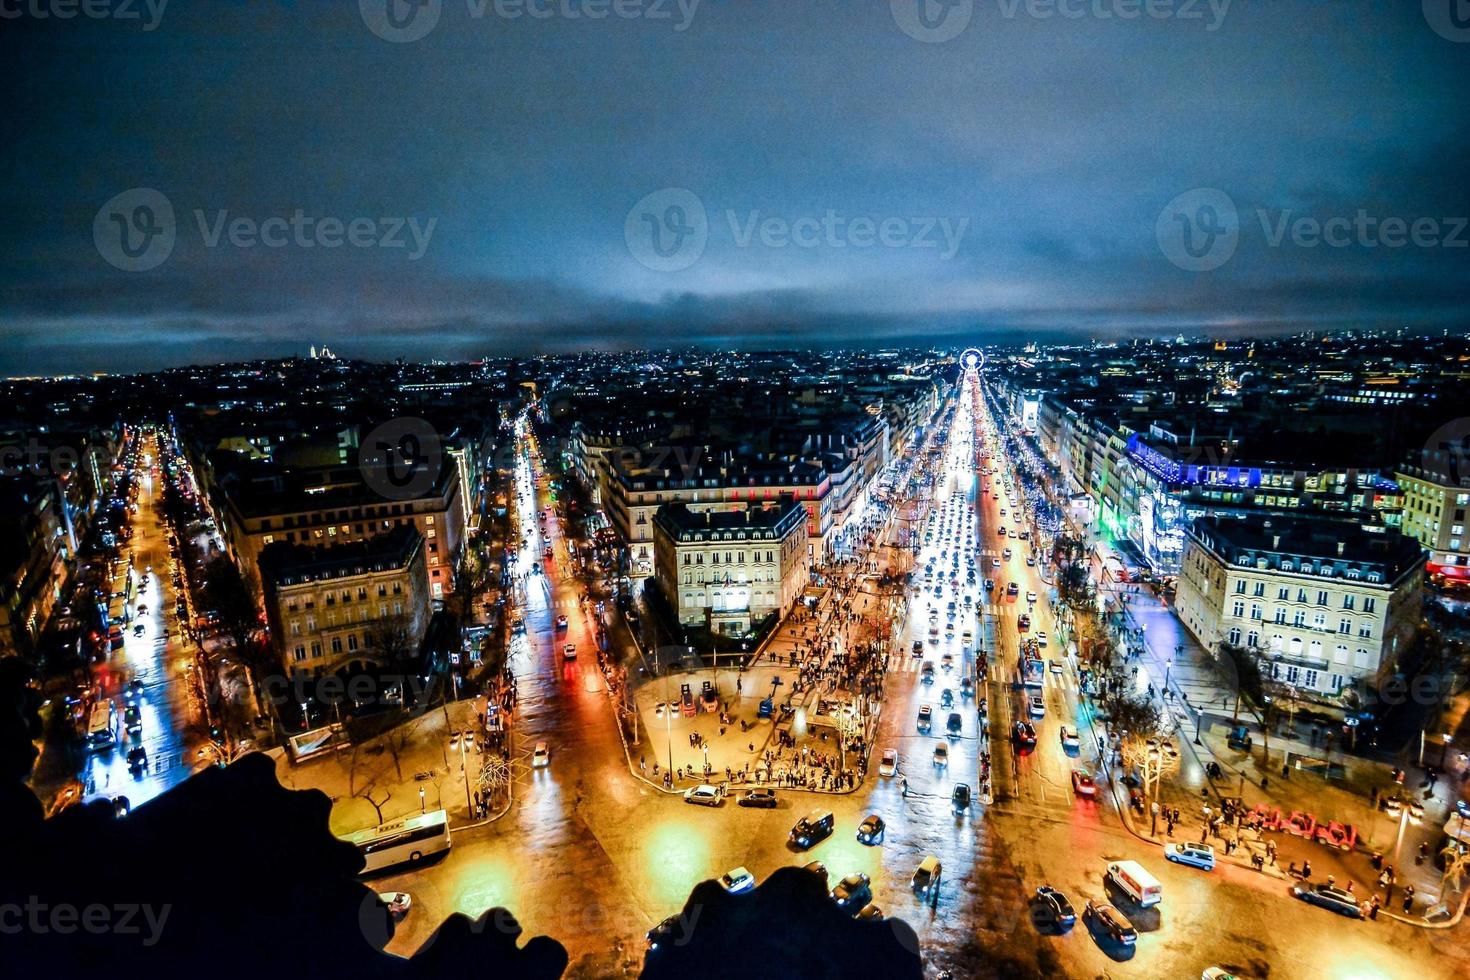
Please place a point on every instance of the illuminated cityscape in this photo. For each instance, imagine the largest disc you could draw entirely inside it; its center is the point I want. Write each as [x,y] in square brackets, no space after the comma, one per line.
[591,490]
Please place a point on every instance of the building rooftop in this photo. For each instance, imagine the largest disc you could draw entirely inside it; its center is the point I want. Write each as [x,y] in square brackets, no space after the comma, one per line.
[282,563]
[685,524]
[1310,545]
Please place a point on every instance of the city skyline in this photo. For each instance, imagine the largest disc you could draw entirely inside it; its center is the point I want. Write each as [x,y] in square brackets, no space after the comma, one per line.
[1030,175]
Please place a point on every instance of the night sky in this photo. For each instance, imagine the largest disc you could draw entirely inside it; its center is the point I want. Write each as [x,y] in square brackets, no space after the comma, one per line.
[815,173]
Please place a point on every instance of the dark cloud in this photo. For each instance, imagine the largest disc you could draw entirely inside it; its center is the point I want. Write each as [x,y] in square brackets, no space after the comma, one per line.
[526,142]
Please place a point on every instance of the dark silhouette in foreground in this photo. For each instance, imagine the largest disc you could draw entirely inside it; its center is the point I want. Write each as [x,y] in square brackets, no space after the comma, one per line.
[229,875]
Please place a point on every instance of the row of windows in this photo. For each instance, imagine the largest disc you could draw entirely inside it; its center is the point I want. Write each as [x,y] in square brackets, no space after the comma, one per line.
[1323,598]
[338,645]
[1294,647]
[296,626]
[332,598]
[1299,619]
[340,516]
[739,558]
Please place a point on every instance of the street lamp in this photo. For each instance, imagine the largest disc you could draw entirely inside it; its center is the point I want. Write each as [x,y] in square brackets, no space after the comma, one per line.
[422,804]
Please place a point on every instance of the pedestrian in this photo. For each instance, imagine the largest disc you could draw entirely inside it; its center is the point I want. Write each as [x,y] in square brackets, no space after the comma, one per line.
[1408,899]
[1373,907]
[1350,887]
[1307,870]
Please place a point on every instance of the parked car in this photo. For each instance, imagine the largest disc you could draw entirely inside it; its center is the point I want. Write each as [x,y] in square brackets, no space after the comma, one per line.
[888,766]
[1082,783]
[1069,738]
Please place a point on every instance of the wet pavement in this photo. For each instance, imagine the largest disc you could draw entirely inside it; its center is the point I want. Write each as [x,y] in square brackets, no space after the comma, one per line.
[589,854]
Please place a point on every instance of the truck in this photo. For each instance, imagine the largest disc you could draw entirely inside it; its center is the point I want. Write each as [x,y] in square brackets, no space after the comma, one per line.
[1033,671]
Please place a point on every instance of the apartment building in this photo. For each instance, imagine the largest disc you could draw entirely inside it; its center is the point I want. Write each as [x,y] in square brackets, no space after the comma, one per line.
[1326,605]
[346,606]
[1436,500]
[258,503]
[730,566]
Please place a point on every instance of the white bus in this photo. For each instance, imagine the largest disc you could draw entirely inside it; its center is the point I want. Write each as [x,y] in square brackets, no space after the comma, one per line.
[101,726]
[407,840]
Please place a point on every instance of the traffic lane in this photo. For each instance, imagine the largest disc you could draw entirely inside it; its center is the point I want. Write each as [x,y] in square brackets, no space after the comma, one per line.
[1233,917]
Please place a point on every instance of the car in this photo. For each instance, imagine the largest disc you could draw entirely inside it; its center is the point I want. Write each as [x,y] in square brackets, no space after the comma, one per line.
[1329,897]
[133,720]
[664,932]
[518,627]
[926,717]
[1041,638]
[946,698]
[941,754]
[569,652]
[995,563]
[1000,532]
[1012,589]
[137,759]
[852,893]
[1031,597]
[1069,738]
[918,648]
[817,868]
[704,795]
[1035,706]
[1194,854]
[926,671]
[1082,783]
[870,913]
[927,876]
[1023,623]
[1023,733]
[990,585]
[1056,905]
[1030,561]
[1392,805]
[960,797]
[561,622]
[968,636]
[1218,973]
[737,880]
[888,765]
[764,799]
[947,661]
[954,724]
[1416,811]
[134,690]
[1111,921]
[398,903]
[871,830]
[540,755]
[1006,554]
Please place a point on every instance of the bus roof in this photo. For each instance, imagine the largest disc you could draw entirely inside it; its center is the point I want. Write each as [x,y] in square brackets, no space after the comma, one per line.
[415,821]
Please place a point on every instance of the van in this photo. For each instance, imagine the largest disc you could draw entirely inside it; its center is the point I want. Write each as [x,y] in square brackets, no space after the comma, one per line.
[812,828]
[1136,883]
